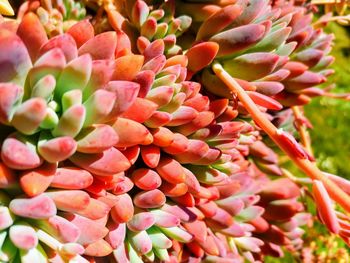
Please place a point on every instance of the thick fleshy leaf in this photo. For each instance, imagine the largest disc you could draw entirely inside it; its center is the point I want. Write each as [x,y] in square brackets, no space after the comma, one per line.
[196,150]
[35,182]
[150,155]
[10,98]
[182,115]
[101,74]
[198,229]
[6,218]
[153,50]
[102,46]
[98,106]
[123,210]
[7,176]
[155,64]
[69,200]
[146,179]
[116,234]
[131,133]
[64,42]
[140,241]
[305,80]
[29,115]
[171,171]
[44,87]
[71,178]
[75,75]
[127,67]
[32,34]
[23,236]
[239,38]
[96,139]
[161,95]
[196,60]
[141,221]
[251,66]
[324,207]
[71,122]
[279,189]
[158,119]
[145,78]
[165,219]
[82,31]
[27,159]
[162,137]
[178,145]
[268,88]
[282,209]
[159,240]
[14,59]
[94,210]
[264,101]
[126,92]
[108,162]
[90,231]
[149,199]
[100,248]
[177,233]
[218,21]
[56,149]
[295,68]
[39,207]
[145,106]
[173,190]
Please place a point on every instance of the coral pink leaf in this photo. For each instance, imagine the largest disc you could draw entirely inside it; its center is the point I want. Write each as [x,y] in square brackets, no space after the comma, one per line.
[90,231]
[82,32]
[145,106]
[27,159]
[196,60]
[108,162]
[39,207]
[146,179]
[325,207]
[57,149]
[131,133]
[218,21]
[145,78]
[123,209]
[71,178]
[126,93]
[149,199]
[32,33]
[23,236]
[10,97]
[127,67]
[252,66]
[15,61]
[64,42]
[102,46]
[97,138]
[264,101]
[35,182]
[171,171]
[239,38]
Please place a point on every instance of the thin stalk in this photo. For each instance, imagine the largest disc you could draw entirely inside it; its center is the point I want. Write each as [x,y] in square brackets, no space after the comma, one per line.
[302,129]
[309,168]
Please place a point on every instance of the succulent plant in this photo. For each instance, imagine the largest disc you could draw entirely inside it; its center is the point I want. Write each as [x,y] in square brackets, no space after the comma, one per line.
[120,143]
